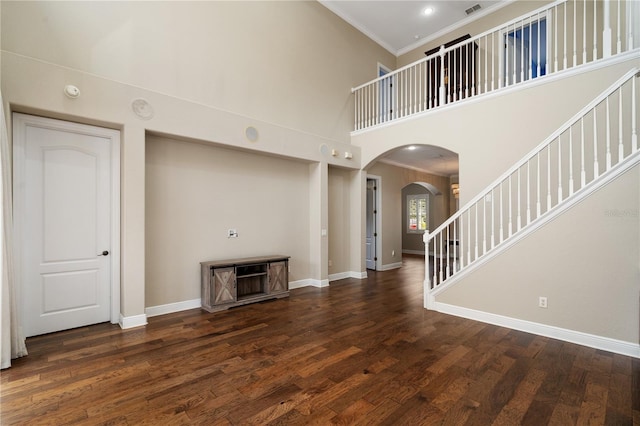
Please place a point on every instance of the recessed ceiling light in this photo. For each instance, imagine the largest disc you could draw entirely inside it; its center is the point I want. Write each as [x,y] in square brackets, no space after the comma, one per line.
[427,11]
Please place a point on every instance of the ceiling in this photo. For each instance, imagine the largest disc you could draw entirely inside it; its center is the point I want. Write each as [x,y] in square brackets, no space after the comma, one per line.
[424,158]
[401,26]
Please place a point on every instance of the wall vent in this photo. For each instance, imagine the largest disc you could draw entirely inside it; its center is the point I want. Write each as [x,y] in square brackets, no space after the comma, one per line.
[472,9]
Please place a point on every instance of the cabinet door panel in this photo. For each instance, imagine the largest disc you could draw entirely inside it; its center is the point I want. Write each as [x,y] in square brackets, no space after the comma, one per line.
[225,285]
[278,277]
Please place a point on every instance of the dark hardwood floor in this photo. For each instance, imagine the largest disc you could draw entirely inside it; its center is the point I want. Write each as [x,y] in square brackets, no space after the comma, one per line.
[359,352]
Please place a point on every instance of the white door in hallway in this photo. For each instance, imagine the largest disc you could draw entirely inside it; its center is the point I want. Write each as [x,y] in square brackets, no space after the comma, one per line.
[371,231]
[64,191]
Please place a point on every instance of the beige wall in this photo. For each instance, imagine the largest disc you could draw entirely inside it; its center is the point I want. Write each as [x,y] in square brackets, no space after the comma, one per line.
[393,179]
[339,220]
[196,192]
[585,262]
[209,70]
[269,60]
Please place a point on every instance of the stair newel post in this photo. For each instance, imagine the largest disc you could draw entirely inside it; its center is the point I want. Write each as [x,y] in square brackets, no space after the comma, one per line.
[429,300]
[427,280]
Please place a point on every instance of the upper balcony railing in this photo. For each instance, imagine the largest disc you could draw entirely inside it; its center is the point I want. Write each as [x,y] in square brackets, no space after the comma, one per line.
[557,37]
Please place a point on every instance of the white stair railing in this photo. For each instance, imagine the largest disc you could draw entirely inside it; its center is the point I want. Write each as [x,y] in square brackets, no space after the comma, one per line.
[562,35]
[591,145]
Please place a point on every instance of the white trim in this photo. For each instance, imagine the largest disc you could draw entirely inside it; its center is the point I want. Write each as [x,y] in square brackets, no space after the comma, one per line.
[548,78]
[348,274]
[308,282]
[318,283]
[429,299]
[406,166]
[169,308]
[357,25]
[391,266]
[420,252]
[378,238]
[503,32]
[384,68]
[572,336]
[338,276]
[116,227]
[408,199]
[132,321]
[299,284]
[358,275]
[19,141]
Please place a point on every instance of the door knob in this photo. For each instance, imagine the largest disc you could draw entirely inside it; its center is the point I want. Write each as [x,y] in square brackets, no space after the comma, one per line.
[104,253]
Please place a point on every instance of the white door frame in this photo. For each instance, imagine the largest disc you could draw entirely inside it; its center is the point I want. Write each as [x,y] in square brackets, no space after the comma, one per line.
[502,77]
[378,218]
[386,95]
[19,141]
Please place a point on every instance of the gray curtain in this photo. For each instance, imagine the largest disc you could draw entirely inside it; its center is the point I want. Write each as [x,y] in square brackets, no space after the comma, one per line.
[12,342]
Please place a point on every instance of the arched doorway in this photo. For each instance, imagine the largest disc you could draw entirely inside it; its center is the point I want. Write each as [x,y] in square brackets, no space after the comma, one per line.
[433,169]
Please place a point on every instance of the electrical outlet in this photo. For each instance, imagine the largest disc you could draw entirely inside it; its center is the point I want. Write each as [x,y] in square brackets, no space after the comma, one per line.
[330,262]
[542,302]
[393,253]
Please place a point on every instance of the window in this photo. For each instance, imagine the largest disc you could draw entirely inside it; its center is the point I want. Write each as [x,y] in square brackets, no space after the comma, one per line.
[417,213]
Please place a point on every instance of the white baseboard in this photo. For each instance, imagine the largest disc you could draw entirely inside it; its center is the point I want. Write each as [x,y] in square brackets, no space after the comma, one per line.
[390,266]
[572,336]
[309,282]
[359,275]
[348,274]
[318,283]
[420,252]
[298,284]
[133,321]
[153,311]
[338,276]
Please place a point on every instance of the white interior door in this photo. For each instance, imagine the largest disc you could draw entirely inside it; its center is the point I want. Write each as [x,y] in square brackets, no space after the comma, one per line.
[64,192]
[385,94]
[371,232]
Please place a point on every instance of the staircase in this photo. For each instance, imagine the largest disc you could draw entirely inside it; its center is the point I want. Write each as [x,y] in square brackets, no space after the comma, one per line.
[588,151]
[512,243]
